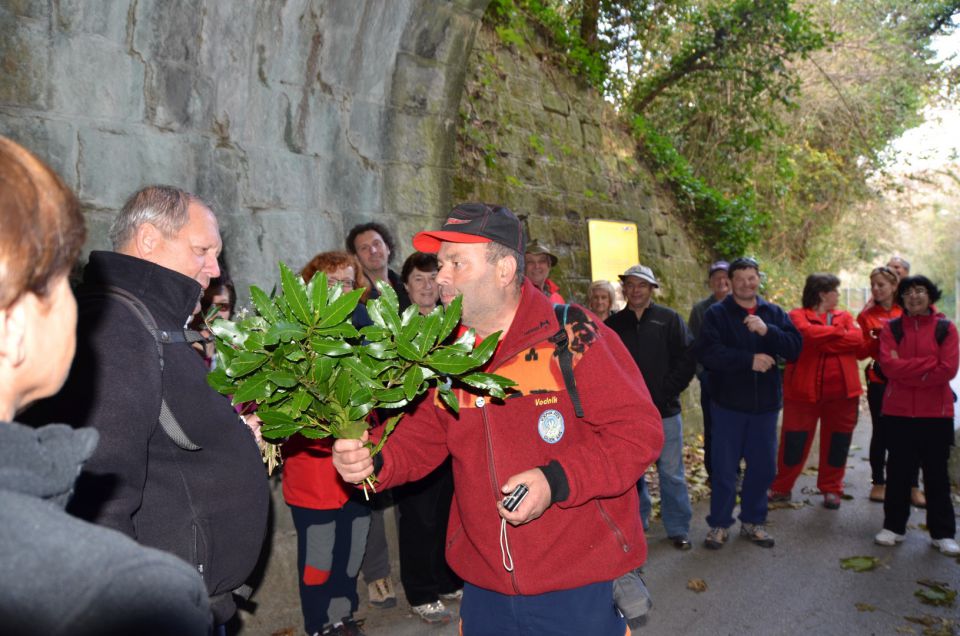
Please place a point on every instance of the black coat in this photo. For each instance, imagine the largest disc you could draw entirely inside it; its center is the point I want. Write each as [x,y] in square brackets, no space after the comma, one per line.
[662,347]
[208,506]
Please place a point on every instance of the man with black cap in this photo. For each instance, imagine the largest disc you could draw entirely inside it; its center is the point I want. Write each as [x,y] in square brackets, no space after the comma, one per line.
[718,280]
[549,565]
[539,260]
[662,348]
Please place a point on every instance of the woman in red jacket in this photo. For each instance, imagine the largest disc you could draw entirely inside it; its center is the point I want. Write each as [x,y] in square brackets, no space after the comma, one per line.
[823,384]
[883,309]
[919,355]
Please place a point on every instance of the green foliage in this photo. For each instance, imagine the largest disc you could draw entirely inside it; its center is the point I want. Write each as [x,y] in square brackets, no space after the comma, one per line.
[311,372]
[732,224]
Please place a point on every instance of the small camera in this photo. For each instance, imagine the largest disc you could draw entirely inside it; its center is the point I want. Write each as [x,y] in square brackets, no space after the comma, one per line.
[511,501]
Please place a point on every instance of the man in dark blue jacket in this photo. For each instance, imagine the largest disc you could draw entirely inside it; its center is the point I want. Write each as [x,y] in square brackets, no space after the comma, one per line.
[739,345]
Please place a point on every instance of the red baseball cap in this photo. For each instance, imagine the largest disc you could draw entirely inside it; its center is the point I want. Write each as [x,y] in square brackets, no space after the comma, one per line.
[475,223]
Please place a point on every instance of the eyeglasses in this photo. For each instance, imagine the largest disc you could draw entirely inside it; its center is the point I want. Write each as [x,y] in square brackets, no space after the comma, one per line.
[224,306]
[916,291]
[347,283]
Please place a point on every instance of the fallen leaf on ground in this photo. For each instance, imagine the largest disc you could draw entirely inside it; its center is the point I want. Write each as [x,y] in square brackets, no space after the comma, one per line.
[846,497]
[697,585]
[934,625]
[864,607]
[935,593]
[906,630]
[860,563]
[811,470]
[793,505]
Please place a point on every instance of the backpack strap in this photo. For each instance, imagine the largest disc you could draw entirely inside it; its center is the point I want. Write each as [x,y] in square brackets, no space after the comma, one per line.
[168,422]
[896,328]
[565,357]
[940,332]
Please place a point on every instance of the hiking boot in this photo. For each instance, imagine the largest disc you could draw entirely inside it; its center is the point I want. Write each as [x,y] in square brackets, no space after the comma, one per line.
[757,534]
[878,492]
[831,501]
[452,597]
[778,497]
[681,542]
[432,613]
[888,537]
[381,593]
[946,546]
[917,498]
[716,538]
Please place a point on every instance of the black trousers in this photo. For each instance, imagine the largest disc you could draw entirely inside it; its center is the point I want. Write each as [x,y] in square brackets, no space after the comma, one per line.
[880,436]
[923,442]
[423,509]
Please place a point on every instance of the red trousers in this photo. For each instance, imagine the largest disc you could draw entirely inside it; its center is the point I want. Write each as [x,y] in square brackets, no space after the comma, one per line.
[837,417]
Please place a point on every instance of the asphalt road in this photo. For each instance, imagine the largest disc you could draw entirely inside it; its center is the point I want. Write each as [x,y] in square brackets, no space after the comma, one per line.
[796,587]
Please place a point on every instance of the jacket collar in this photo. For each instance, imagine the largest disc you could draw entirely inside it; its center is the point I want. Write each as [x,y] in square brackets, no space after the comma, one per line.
[170,296]
[43,462]
[534,322]
[730,303]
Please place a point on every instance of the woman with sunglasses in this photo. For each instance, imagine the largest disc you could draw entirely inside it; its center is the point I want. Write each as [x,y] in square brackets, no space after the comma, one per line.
[883,309]
[919,355]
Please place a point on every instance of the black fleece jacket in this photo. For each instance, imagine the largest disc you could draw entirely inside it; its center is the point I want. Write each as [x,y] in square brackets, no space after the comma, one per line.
[662,347]
[208,506]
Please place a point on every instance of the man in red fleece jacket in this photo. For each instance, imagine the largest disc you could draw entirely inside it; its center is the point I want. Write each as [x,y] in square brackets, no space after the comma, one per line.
[548,566]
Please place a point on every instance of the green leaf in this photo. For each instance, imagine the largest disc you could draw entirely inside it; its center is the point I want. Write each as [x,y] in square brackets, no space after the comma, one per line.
[322,370]
[374,333]
[408,315]
[394,394]
[283,378]
[254,341]
[220,382]
[257,388]
[229,331]
[352,430]
[263,303]
[410,328]
[273,418]
[446,362]
[343,330]
[360,372]
[318,293]
[936,593]
[382,350]
[389,296]
[359,411]
[361,395]
[860,563]
[339,310]
[373,310]
[295,295]
[279,432]
[296,355]
[449,399]
[451,317]
[429,332]
[342,387]
[412,382]
[300,401]
[407,350]
[245,363]
[388,427]
[253,323]
[467,339]
[485,349]
[330,346]
[225,354]
[313,432]
[286,331]
[488,383]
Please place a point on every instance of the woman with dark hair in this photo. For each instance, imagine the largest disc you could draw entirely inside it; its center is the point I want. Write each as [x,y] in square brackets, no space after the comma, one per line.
[823,384]
[882,309]
[61,575]
[424,505]
[329,515]
[919,355]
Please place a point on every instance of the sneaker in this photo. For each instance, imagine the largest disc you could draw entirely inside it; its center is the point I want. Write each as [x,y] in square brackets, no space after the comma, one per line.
[831,501]
[946,546]
[681,542]
[756,533]
[778,497]
[432,613]
[917,498]
[716,538]
[878,492]
[381,593]
[888,537]
[452,597]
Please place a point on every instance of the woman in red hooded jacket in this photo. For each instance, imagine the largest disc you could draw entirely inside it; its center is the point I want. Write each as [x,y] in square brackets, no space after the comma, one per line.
[919,355]
[823,384]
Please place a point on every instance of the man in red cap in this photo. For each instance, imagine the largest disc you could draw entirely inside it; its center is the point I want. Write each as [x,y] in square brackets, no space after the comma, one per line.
[549,565]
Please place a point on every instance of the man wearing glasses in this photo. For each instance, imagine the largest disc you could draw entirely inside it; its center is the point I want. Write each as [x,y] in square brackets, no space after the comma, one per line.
[739,345]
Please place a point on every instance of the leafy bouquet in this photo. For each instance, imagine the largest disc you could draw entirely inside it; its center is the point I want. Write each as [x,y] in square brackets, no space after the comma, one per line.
[299,358]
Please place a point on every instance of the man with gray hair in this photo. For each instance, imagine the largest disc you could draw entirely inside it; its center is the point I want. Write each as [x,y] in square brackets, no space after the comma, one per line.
[176,469]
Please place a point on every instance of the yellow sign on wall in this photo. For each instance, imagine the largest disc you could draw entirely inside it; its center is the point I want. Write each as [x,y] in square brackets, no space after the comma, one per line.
[613,248]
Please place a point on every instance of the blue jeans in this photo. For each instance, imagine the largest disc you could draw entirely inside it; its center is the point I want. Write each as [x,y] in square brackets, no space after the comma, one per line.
[675,507]
[588,609]
[753,437]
